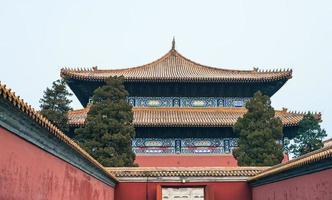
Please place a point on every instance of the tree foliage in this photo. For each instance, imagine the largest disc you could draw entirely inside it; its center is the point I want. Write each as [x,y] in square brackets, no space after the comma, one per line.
[108,130]
[309,136]
[259,134]
[55,104]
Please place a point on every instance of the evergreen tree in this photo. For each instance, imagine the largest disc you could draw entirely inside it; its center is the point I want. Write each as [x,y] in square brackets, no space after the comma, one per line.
[55,104]
[259,134]
[309,136]
[108,130]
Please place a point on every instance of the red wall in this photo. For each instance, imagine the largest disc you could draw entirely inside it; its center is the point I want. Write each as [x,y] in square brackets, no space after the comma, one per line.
[189,160]
[27,172]
[213,191]
[308,187]
[186,161]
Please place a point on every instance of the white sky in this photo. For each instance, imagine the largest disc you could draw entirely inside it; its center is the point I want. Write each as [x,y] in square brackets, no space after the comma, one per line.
[38,38]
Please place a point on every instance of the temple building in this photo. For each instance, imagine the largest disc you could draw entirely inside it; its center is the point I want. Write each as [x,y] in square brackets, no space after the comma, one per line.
[183,111]
[38,161]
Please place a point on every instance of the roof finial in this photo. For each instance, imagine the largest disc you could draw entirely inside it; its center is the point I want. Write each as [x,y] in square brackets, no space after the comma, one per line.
[173,43]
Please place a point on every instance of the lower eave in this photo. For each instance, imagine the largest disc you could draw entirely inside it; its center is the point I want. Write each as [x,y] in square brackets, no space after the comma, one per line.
[188,117]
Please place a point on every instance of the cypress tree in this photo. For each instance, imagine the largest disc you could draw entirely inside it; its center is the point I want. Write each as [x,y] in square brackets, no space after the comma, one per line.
[108,130]
[259,134]
[55,104]
[309,136]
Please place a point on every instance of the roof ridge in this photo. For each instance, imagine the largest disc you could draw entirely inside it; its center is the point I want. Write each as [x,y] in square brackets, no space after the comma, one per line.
[185,171]
[327,140]
[210,67]
[189,168]
[79,110]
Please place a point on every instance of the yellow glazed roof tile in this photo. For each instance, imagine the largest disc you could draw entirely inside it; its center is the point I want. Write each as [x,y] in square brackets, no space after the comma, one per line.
[175,67]
[204,117]
[185,171]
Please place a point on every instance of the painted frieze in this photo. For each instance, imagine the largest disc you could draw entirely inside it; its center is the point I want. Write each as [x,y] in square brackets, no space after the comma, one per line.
[183,145]
[188,101]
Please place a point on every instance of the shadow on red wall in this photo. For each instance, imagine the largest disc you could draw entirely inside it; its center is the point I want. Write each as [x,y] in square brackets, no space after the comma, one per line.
[28,172]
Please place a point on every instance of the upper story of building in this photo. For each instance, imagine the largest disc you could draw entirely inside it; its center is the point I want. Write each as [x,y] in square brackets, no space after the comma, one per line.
[176,81]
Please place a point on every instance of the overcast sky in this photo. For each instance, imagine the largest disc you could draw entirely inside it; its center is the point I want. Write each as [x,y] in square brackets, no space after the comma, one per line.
[38,38]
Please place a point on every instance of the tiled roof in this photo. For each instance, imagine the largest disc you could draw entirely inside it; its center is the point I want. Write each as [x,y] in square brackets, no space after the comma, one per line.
[185,171]
[179,117]
[175,67]
[77,117]
[327,142]
[19,103]
[315,156]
